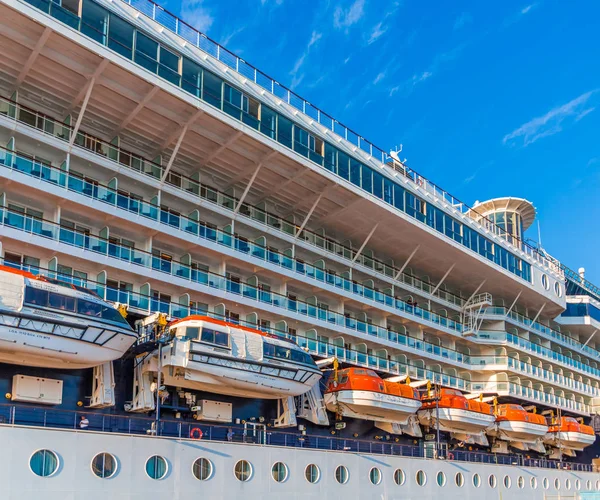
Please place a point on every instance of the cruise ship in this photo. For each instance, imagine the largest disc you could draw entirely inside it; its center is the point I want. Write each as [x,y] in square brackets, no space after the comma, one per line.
[210,287]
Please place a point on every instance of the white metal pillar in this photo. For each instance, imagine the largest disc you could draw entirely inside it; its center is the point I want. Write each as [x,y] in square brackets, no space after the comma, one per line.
[247,189]
[399,273]
[310,212]
[32,57]
[514,302]
[362,247]
[539,312]
[443,279]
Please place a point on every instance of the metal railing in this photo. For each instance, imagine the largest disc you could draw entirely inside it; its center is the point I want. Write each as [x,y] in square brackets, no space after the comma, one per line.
[17,415]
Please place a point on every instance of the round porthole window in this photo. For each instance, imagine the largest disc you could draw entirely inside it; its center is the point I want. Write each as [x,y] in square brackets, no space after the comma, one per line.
[534,483]
[44,463]
[507,482]
[476,480]
[312,473]
[568,484]
[341,474]
[399,477]
[558,289]
[279,471]
[545,282]
[441,478]
[492,481]
[557,484]
[202,469]
[421,478]
[156,467]
[546,483]
[243,470]
[104,465]
[577,484]
[375,475]
[520,482]
[459,479]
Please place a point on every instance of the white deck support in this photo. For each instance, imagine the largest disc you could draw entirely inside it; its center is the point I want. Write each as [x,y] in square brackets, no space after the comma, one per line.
[221,148]
[129,118]
[32,57]
[514,302]
[286,410]
[538,313]
[590,338]
[411,428]
[437,287]
[84,94]
[103,390]
[406,262]
[251,181]
[311,406]
[362,247]
[174,154]
[310,212]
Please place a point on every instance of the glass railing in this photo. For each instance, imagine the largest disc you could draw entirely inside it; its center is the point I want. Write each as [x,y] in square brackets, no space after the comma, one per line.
[538,350]
[135,162]
[543,329]
[480,362]
[51,230]
[192,227]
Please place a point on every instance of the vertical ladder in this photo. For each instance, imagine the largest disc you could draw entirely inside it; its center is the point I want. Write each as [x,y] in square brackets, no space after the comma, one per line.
[472,313]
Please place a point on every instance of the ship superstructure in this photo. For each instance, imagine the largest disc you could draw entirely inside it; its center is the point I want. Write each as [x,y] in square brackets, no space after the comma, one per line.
[146,164]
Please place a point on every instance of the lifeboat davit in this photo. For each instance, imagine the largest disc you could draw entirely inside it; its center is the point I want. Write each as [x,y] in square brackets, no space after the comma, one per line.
[52,324]
[523,430]
[361,393]
[569,435]
[225,358]
[466,419]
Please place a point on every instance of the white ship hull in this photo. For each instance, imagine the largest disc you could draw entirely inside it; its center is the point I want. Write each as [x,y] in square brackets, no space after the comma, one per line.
[368,405]
[456,420]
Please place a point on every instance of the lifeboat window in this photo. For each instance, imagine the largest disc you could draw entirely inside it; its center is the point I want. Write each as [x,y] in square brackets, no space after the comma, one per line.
[312,473]
[341,474]
[215,337]
[61,302]
[344,380]
[89,308]
[36,297]
[302,357]
[191,333]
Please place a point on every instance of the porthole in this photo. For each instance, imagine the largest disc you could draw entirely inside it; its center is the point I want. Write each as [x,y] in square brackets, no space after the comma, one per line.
[202,469]
[520,482]
[341,474]
[399,477]
[533,482]
[459,479]
[545,282]
[568,484]
[476,480]
[557,484]
[44,463]
[577,484]
[243,470]
[546,483]
[558,289]
[421,478]
[492,481]
[104,465]
[156,467]
[440,478]
[588,485]
[312,473]
[598,485]
[375,475]
[279,471]
[507,482]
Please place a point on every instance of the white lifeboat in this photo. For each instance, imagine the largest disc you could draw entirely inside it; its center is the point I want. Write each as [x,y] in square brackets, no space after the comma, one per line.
[569,435]
[523,430]
[52,324]
[207,354]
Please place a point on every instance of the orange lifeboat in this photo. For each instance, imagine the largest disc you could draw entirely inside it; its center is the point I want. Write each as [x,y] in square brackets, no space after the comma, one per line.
[361,393]
[522,429]
[569,435]
[465,418]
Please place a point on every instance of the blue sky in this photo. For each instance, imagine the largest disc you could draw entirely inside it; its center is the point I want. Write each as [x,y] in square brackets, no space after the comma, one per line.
[487,98]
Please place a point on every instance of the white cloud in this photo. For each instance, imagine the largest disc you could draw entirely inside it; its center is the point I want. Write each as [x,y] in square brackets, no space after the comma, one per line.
[527,9]
[379,77]
[297,77]
[227,38]
[314,38]
[194,13]
[344,18]
[462,20]
[551,123]
[593,161]
[378,31]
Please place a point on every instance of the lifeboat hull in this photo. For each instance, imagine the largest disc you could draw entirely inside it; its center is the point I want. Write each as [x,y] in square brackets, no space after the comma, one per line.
[514,430]
[570,440]
[238,377]
[46,343]
[370,405]
[456,420]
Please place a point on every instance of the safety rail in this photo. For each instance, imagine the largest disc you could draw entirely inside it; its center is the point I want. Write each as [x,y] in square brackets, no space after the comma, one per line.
[191,35]
[17,415]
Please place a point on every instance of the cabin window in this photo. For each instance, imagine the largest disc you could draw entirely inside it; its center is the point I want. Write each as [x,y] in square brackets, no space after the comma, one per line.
[421,478]
[459,479]
[104,465]
[215,337]
[312,473]
[492,481]
[375,475]
[341,474]
[61,302]
[243,470]
[36,297]
[399,477]
[441,478]
[202,469]
[476,480]
[157,467]
[44,463]
[191,333]
[280,472]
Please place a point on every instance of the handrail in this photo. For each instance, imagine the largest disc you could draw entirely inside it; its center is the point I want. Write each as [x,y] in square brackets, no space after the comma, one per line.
[205,44]
[189,185]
